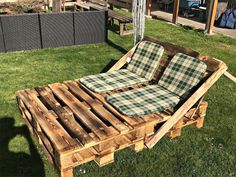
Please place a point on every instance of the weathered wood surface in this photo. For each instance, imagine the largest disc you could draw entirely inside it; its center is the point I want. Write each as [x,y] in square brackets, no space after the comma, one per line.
[230,76]
[75,125]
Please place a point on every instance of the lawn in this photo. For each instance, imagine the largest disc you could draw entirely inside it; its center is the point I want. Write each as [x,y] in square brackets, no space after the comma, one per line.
[210,151]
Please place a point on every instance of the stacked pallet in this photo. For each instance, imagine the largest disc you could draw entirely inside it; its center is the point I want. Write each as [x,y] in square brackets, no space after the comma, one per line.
[75,125]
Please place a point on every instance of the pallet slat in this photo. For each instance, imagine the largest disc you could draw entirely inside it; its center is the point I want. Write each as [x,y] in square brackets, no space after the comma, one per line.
[98,108]
[89,119]
[65,116]
[51,127]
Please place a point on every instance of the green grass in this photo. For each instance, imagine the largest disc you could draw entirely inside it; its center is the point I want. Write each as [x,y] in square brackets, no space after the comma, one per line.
[209,151]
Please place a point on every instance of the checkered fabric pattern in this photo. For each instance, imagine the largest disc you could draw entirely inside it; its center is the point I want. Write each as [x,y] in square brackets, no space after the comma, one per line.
[111,80]
[145,59]
[182,74]
[143,101]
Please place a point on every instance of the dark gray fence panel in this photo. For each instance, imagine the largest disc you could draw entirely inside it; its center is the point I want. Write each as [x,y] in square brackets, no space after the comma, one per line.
[21,32]
[2,47]
[90,27]
[57,29]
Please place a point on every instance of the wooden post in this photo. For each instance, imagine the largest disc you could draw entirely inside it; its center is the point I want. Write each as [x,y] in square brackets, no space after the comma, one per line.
[175,12]
[148,7]
[211,15]
[64,5]
[56,5]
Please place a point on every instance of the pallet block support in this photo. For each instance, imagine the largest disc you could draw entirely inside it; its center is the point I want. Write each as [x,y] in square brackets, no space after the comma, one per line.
[137,147]
[66,173]
[105,159]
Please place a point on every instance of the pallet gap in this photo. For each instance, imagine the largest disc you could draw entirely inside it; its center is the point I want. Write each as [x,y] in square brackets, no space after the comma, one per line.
[44,102]
[101,118]
[59,100]
[77,119]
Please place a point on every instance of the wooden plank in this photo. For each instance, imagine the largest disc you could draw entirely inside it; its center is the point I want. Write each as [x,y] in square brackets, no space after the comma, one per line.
[86,116]
[186,106]
[82,5]
[119,17]
[38,134]
[96,107]
[57,135]
[66,117]
[230,76]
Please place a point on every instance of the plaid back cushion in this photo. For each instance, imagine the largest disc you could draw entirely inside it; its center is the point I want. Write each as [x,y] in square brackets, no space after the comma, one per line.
[145,59]
[182,74]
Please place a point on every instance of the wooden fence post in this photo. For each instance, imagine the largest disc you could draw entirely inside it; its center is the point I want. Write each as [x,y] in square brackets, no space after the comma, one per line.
[56,5]
[175,12]
[211,15]
[148,7]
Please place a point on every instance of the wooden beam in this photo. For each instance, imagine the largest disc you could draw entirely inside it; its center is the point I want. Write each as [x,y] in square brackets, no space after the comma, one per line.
[175,11]
[148,7]
[150,142]
[230,76]
[211,15]
[56,5]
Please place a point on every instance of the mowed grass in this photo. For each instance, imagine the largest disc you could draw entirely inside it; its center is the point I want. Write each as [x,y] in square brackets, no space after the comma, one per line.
[210,151]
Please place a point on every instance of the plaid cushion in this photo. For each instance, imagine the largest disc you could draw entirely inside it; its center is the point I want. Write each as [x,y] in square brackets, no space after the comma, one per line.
[145,59]
[143,101]
[111,80]
[182,74]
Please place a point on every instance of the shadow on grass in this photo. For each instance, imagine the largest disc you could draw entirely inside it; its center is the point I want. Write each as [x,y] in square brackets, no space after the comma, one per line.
[117,47]
[108,66]
[114,28]
[112,62]
[18,163]
[190,28]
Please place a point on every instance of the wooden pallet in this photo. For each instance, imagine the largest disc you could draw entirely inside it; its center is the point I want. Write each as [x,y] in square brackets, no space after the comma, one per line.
[75,125]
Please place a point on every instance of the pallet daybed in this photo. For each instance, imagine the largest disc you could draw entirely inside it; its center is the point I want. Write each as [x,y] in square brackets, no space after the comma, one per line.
[75,125]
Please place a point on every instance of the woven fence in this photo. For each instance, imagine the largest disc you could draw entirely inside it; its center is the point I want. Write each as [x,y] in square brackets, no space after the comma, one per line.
[36,31]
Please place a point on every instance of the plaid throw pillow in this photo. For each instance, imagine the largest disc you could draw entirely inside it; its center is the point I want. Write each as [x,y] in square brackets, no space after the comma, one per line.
[111,80]
[182,74]
[145,59]
[143,101]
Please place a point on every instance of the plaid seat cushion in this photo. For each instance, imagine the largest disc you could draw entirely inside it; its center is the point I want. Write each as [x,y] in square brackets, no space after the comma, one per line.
[111,80]
[145,59]
[182,74]
[143,101]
